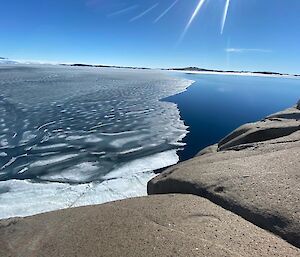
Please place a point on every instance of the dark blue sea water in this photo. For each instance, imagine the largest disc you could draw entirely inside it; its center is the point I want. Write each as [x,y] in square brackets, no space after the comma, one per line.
[217,104]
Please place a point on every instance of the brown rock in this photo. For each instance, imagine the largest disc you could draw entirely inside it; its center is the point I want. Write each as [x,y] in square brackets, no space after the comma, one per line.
[255,172]
[274,126]
[209,149]
[166,225]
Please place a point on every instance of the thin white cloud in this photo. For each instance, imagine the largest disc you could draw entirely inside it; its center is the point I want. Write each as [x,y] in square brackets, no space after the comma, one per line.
[123,11]
[225,15]
[194,15]
[144,13]
[247,50]
[166,11]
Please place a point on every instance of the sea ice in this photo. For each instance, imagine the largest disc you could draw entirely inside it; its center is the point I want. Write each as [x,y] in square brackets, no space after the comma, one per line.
[74,136]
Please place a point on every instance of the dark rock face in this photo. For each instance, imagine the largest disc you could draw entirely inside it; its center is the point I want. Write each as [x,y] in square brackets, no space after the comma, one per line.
[298,105]
[254,172]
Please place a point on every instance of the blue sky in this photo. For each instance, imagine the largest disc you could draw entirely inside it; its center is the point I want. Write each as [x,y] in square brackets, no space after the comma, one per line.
[258,34]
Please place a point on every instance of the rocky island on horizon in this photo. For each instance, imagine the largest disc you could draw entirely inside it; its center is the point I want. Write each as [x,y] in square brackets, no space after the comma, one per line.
[183,69]
[197,69]
[187,69]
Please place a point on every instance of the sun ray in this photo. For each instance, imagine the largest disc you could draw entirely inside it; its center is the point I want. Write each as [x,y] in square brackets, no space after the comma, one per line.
[144,13]
[166,11]
[123,11]
[225,15]
[198,8]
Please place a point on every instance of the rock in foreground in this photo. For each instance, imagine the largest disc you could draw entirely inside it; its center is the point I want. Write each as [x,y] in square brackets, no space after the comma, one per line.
[253,172]
[165,225]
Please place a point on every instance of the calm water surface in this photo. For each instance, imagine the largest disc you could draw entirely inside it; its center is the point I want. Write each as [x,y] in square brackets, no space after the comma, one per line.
[216,104]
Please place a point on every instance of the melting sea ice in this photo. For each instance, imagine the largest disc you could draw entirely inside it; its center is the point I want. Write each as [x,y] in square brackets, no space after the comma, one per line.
[72,136]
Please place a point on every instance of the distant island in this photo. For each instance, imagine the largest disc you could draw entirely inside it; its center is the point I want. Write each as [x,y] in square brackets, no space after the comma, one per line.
[105,66]
[4,60]
[197,69]
[193,70]
[185,69]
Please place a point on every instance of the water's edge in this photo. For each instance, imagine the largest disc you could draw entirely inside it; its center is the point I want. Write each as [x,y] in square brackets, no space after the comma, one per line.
[22,196]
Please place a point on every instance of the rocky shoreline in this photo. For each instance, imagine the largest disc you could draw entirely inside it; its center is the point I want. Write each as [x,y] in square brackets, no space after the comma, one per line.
[237,198]
[253,172]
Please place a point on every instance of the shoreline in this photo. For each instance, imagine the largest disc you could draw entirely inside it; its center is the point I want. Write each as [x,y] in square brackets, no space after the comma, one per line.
[215,204]
[233,174]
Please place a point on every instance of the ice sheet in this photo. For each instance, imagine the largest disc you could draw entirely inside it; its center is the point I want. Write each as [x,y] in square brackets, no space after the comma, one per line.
[23,197]
[69,134]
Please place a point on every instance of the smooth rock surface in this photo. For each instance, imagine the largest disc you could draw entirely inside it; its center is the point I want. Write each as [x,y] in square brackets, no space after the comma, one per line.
[165,225]
[278,125]
[254,172]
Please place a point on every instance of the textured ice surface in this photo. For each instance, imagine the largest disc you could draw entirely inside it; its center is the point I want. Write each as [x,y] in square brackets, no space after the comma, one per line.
[74,136]
[23,198]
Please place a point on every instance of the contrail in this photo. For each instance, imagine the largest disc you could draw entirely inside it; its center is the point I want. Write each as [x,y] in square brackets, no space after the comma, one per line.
[200,4]
[144,13]
[122,11]
[166,11]
[225,15]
